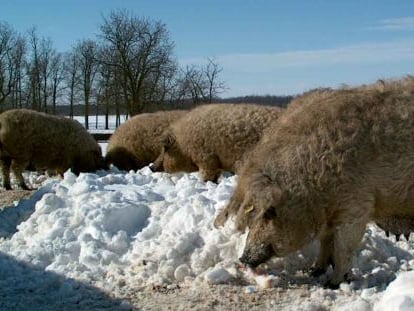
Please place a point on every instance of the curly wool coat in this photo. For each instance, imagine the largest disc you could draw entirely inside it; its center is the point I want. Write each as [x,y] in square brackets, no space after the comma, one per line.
[328,166]
[214,138]
[137,142]
[38,141]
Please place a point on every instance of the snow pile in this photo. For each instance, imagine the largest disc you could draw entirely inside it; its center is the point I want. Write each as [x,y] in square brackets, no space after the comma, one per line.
[117,230]
[158,227]
[399,295]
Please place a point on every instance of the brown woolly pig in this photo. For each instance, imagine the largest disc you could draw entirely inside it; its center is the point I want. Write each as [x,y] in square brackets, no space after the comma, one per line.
[325,170]
[317,94]
[396,225]
[35,140]
[214,138]
[136,143]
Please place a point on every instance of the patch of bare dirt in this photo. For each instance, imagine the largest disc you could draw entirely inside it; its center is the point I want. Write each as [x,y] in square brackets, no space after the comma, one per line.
[217,297]
[9,197]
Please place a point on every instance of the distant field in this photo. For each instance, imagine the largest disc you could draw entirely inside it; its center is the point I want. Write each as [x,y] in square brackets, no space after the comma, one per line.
[97,123]
[97,128]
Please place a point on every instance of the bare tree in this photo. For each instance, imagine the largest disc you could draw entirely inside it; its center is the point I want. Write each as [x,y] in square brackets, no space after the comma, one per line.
[19,60]
[105,79]
[166,86]
[11,53]
[38,70]
[88,64]
[71,70]
[46,54]
[34,71]
[159,84]
[199,83]
[143,51]
[192,84]
[111,84]
[56,77]
[215,86]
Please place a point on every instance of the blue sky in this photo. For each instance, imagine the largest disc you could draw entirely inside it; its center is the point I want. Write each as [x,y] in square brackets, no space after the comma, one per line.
[265,47]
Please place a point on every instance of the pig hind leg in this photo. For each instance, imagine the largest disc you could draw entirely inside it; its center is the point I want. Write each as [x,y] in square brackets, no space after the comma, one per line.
[346,239]
[326,253]
[347,225]
[5,163]
[17,168]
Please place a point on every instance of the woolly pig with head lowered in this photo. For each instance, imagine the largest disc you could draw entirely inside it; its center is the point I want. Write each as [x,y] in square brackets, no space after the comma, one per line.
[136,143]
[35,140]
[214,138]
[326,169]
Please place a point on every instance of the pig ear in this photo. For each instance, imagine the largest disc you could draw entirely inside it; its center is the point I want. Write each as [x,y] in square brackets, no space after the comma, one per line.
[271,190]
[266,189]
[273,195]
[273,202]
[249,209]
[276,195]
[268,196]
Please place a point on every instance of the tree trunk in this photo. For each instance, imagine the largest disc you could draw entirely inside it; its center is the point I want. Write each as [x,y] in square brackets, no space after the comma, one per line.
[86,111]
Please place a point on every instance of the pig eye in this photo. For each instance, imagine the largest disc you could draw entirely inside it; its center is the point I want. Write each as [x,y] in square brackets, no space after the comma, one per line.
[270,213]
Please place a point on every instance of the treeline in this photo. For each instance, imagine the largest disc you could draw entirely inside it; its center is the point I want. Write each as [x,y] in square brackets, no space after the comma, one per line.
[128,68]
[270,100]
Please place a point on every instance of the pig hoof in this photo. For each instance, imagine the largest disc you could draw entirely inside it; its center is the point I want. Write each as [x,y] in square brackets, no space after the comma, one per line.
[25,187]
[331,285]
[317,272]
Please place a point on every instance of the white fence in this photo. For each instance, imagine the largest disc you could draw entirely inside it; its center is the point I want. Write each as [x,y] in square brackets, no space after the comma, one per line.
[97,123]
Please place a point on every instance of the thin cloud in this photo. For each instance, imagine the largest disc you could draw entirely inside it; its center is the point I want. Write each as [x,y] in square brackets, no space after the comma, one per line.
[402,23]
[375,52]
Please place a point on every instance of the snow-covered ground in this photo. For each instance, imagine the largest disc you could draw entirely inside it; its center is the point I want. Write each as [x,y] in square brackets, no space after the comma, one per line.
[87,236]
[104,147]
